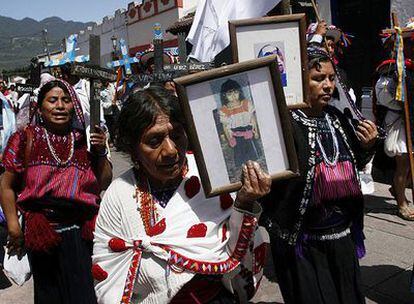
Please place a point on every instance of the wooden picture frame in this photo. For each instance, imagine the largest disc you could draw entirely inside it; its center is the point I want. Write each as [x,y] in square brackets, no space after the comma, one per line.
[235,113]
[282,35]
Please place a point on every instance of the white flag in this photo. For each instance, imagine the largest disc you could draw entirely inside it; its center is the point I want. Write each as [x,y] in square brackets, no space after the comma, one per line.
[209,33]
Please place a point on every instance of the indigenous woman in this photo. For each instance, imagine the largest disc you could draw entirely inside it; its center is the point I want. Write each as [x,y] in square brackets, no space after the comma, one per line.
[316,220]
[158,239]
[239,122]
[59,197]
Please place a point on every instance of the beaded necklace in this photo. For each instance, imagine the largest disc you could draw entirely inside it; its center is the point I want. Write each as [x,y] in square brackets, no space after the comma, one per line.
[334,143]
[147,207]
[55,154]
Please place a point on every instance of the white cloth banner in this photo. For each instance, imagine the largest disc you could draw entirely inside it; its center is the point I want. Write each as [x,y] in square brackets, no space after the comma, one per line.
[209,33]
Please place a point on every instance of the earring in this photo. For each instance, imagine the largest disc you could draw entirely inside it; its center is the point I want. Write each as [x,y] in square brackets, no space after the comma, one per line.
[136,165]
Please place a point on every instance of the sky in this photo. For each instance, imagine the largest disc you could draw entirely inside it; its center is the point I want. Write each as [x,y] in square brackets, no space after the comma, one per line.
[76,10]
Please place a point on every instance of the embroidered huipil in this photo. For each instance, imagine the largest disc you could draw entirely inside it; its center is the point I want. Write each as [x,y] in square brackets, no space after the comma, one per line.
[44,178]
[191,235]
[291,201]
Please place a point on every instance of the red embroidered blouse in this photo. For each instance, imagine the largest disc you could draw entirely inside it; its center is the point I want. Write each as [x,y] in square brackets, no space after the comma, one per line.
[44,178]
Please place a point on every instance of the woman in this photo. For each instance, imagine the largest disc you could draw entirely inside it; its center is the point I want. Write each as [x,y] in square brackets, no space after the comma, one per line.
[237,116]
[315,220]
[158,239]
[62,182]
[395,144]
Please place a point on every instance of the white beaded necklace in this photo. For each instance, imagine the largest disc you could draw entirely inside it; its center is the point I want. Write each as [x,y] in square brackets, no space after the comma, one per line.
[334,143]
[53,151]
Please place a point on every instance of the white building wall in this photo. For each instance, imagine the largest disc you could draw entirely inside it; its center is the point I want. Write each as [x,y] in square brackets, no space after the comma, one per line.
[404,9]
[135,28]
[141,33]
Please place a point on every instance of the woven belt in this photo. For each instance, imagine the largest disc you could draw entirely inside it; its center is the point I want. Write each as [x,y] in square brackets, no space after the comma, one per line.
[329,236]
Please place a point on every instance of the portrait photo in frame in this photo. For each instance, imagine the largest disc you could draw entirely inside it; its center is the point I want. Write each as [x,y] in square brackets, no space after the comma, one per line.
[234,114]
[283,36]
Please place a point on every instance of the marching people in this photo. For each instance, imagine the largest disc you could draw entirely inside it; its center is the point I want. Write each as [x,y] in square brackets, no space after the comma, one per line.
[55,183]
[395,144]
[158,239]
[315,220]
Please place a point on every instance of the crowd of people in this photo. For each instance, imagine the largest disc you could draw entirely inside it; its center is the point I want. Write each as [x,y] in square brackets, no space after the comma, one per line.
[154,237]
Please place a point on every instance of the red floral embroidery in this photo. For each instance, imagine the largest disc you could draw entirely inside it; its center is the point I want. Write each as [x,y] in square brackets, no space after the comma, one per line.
[132,13]
[226,201]
[224,232]
[260,254]
[198,230]
[165,2]
[192,186]
[98,273]
[117,245]
[147,6]
[157,229]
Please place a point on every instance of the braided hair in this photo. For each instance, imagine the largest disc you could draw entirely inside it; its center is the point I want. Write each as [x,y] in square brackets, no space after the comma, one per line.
[316,55]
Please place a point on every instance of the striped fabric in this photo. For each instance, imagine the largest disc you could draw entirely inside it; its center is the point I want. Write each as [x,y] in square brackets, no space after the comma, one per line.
[333,183]
[75,182]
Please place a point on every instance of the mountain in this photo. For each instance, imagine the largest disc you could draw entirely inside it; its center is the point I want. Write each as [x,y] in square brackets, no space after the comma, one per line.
[20,40]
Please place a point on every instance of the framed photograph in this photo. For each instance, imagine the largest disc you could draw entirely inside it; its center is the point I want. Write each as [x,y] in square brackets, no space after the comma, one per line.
[234,114]
[283,36]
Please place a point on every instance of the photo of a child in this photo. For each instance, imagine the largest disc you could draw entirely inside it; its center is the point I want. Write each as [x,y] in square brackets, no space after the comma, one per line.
[236,124]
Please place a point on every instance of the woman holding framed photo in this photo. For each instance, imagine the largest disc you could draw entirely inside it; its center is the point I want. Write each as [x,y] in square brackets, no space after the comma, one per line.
[316,220]
[158,239]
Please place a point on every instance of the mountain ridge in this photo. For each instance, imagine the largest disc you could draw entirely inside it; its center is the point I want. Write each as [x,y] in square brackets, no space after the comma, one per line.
[20,40]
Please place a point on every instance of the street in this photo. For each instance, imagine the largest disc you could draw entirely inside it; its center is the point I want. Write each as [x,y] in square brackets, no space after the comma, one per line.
[386,269]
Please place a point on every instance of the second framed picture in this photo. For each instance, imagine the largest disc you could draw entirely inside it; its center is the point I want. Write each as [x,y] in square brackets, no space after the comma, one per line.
[283,36]
[237,113]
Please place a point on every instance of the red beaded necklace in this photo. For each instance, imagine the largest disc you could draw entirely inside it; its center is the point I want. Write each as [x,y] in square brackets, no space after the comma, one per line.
[148,209]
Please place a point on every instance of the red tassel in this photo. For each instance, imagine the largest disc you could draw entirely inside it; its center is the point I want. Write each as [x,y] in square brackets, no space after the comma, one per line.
[88,229]
[98,273]
[192,186]
[39,235]
[117,245]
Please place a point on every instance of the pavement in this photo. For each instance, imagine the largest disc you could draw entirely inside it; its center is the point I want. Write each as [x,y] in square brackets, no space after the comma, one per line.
[386,269]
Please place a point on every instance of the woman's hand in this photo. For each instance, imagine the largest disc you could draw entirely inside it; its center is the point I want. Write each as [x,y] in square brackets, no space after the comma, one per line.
[98,141]
[367,133]
[15,240]
[256,183]
[321,28]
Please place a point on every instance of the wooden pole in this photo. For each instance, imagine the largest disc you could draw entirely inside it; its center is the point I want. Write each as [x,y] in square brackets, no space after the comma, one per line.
[407,122]
[95,85]
[315,8]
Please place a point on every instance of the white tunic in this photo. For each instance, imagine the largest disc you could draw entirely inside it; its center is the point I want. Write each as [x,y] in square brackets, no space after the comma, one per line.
[214,251]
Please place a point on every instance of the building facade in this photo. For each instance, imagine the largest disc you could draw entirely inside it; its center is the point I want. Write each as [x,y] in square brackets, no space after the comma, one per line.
[134,24]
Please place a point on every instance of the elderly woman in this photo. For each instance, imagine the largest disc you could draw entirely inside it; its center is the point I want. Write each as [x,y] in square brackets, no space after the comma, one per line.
[55,182]
[315,220]
[158,239]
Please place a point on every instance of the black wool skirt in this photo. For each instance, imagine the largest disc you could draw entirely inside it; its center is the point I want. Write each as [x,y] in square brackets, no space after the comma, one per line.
[64,276]
[327,272]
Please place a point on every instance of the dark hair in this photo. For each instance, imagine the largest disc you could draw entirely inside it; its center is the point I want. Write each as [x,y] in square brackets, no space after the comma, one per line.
[47,87]
[229,85]
[316,55]
[140,111]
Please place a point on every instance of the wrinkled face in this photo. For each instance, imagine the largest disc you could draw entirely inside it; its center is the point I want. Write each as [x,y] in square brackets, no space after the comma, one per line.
[321,85]
[233,95]
[161,150]
[56,109]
